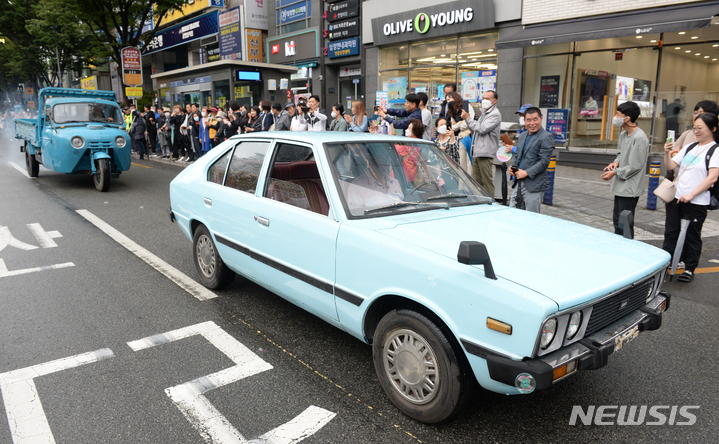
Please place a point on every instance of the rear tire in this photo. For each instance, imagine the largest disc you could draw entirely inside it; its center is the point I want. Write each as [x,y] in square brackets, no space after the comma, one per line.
[213,272]
[102,176]
[31,164]
[421,371]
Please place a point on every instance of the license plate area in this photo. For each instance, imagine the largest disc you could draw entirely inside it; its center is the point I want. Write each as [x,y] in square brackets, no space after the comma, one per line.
[626,337]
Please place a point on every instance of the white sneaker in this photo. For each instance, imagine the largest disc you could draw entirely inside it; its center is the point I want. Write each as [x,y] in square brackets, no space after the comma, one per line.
[681,265]
[182,159]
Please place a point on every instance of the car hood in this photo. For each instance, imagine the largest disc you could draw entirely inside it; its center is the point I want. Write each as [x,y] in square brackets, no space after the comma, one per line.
[565,261]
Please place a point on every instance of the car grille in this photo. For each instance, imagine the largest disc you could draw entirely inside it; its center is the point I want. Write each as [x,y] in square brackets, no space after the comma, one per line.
[103,144]
[616,307]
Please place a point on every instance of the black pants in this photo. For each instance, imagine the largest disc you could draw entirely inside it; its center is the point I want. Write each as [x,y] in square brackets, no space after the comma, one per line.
[621,204]
[693,243]
[152,140]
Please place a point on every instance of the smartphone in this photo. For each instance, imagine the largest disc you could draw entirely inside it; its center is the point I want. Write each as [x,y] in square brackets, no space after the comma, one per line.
[376,108]
[514,169]
[670,136]
[506,139]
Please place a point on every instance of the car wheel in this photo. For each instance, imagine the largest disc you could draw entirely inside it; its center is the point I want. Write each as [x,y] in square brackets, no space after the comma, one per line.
[420,370]
[31,164]
[214,274]
[101,178]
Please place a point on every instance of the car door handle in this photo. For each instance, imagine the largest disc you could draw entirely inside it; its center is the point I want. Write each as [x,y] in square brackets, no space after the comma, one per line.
[262,221]
[208,202]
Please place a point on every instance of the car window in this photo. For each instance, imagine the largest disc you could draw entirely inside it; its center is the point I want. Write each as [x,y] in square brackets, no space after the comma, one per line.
[384,178]
[244,170]
[216,173]
[294,179]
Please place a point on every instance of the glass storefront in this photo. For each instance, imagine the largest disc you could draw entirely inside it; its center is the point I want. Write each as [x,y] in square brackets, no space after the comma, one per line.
[591,78]
[427,66]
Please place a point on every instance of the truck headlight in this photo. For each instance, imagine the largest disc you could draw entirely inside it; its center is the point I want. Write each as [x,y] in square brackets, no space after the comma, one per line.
[77,142]
[549,329]
[120,141]
[575,321]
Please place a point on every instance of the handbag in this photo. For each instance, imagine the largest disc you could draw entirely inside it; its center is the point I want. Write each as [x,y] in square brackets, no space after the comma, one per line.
[667,190]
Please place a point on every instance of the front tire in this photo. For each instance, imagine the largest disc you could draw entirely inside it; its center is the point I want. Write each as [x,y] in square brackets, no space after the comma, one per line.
[31,164]
[419,369]
[101,178]
[213,272]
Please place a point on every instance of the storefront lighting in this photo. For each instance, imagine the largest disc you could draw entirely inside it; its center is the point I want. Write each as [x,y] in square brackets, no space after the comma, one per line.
[639,36]
[694,37]
[443,55]
[490,50]
[698,54]
[714,60]
[688,50]
[652,41]
[706,57]
[714,46]
[678,47]
[682,33]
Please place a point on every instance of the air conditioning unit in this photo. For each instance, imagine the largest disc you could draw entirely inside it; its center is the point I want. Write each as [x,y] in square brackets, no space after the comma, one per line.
[209,40]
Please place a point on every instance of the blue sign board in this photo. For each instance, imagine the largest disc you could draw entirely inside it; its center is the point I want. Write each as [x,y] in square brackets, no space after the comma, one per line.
[557,124]
[183,33]
[343,48]
[293,13]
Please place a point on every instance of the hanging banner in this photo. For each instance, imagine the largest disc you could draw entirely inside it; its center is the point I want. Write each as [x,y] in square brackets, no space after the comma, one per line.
[230,35]
[557,124]
[254,45]
[549,92]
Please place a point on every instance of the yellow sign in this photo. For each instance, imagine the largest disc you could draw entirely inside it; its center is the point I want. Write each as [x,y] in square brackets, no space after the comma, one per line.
[189,8]
[133,92]
[29,91]
[88,83]
[254,45]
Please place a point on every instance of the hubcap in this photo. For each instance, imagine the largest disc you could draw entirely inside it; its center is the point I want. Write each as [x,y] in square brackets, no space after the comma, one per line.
[411,366]
[206,256]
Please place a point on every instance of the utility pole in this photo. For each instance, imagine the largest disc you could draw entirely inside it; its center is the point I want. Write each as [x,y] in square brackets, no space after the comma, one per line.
[59,73]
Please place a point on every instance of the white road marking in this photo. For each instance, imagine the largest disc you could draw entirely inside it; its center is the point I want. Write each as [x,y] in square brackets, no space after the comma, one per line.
[714,260]
[172,273]
[4,272]
[22,170]
[7,239]
[44,238]
[204,417]
[25,415]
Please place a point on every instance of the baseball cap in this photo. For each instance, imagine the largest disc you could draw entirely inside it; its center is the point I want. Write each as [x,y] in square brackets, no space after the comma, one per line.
[524,108]
[213,110]
[289,104]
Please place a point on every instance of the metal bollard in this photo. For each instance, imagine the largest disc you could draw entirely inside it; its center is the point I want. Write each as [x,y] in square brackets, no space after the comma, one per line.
[549,194]
[654,168]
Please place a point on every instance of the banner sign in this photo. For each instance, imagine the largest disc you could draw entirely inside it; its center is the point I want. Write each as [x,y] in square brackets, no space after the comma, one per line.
[549,92]
[343,10]
[557,124]
[183,33]
[344,29]
[88,83]
[296,12]
[131,66]
[230,35]
[343,48]
[256,14]
[133,92]
[254,45]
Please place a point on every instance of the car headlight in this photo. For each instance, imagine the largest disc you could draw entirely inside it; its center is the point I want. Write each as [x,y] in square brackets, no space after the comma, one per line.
[77,142]
[575,321]
[549,329]
[120,141]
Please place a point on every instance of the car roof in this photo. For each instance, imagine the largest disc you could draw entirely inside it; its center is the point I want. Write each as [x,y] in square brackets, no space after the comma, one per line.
[328,137]
[55,100]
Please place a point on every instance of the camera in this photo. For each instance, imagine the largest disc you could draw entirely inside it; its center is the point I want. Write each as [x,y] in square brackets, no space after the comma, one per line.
[305,109]
[376,108]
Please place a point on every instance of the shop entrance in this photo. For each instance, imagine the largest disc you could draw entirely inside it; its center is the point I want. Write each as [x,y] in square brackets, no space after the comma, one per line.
[349,91]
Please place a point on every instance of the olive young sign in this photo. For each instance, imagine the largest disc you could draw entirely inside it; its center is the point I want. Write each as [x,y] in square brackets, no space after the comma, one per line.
[438,20]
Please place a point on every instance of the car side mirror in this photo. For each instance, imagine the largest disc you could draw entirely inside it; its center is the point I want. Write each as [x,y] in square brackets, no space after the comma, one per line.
[475,253]
[48,114]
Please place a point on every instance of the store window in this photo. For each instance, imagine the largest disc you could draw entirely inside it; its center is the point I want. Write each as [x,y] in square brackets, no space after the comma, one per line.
[222,93]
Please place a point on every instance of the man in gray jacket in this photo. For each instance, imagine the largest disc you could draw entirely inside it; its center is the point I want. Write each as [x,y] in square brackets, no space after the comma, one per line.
[485,140]
[529,164]
[627,170]
[284,120]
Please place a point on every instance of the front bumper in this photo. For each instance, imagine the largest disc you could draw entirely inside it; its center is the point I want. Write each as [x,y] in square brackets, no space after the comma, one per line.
[591,353]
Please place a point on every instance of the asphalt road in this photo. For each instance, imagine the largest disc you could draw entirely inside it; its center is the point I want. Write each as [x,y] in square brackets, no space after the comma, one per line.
[109,297]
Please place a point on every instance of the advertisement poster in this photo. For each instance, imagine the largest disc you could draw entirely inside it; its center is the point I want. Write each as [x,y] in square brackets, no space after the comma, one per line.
[593,99]
[381,99]
[397,89]
[256,15]
[642,90]
[88,83]
[549,92]
[487,82]
[254,45]
[557,124]
[624,88]
[230,35]
[470,86]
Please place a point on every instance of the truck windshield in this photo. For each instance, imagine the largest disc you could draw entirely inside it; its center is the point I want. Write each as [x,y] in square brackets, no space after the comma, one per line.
[86,112]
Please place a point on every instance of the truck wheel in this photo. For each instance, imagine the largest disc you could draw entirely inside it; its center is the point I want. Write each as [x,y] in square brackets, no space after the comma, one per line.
[419,368]
[32,165]
[102,176]
[213,272]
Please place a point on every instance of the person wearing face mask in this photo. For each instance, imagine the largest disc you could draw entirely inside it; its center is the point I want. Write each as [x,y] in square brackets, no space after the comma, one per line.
[411,111]
[485,140]
[338,121]
[627,170]
[446,141]
[164,134]
[520,119]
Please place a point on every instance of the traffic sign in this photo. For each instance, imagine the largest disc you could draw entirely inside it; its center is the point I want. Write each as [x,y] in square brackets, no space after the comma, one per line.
[133,93]
[131,66]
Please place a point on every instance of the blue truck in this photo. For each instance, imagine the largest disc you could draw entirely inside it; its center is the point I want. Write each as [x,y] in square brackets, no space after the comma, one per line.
[77,131]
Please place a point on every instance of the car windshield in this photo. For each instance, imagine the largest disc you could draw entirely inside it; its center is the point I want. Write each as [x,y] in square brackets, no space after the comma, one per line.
[86,112]
[383,178]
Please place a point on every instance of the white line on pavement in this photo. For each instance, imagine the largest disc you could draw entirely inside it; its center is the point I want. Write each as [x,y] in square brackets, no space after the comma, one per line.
[25,414]
[303,426]
[172,273]
[43,237]
[5,273]
[714,260]
[22,170]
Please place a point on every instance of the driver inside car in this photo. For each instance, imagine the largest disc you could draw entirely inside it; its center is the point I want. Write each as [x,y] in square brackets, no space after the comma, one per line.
[373,187]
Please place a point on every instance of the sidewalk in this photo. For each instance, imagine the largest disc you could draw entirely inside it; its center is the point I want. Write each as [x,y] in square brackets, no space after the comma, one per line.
[581,196]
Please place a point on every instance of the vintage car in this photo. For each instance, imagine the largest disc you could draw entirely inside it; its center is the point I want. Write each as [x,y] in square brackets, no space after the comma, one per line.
[78,131]
[386,238]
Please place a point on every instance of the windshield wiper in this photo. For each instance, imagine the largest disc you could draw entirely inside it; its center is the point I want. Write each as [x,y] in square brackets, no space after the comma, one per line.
[448,196]
[403,204]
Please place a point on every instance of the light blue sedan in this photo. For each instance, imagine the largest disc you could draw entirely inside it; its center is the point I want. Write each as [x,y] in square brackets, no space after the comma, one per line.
[386,238]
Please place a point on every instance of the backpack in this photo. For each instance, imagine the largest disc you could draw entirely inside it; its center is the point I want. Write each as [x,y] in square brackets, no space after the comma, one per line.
[714,189]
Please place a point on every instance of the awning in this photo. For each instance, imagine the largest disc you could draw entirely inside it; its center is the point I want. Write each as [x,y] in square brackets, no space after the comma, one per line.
[653,21]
